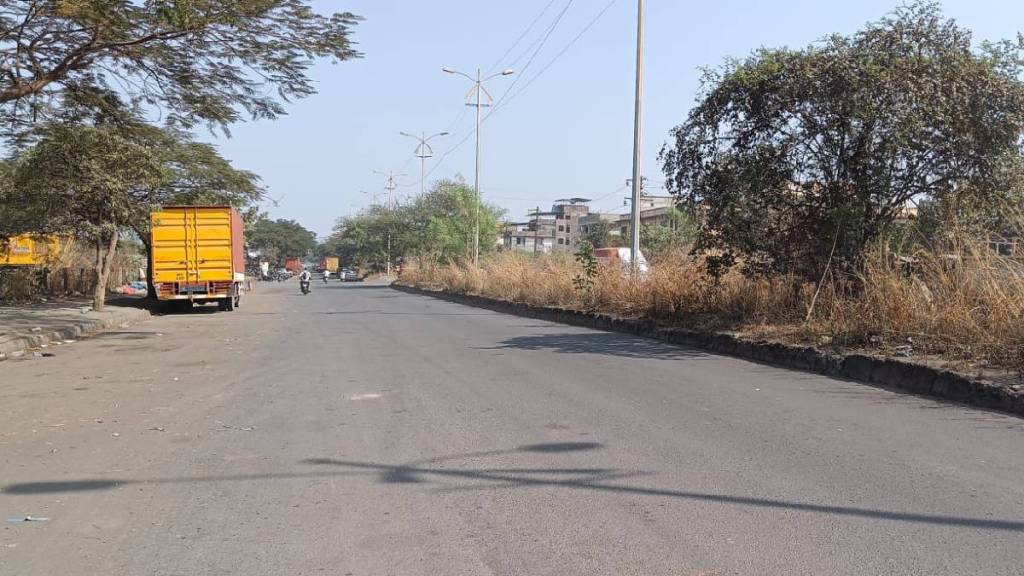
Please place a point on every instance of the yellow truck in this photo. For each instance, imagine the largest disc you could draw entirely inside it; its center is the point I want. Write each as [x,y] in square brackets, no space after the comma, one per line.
[198,255]
[329,263]
[29,250]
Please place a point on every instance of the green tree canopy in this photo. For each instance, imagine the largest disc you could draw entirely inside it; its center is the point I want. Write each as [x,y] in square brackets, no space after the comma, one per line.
[678,231]
[438,226]
[280,239]
[599,235]
[198,61]
[84,181]
[794,157]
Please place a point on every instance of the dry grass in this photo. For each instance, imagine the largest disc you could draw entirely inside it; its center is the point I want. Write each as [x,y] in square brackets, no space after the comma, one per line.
[967,305]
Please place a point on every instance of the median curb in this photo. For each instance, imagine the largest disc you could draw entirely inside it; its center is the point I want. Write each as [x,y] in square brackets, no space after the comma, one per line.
[885,372]
[113,317]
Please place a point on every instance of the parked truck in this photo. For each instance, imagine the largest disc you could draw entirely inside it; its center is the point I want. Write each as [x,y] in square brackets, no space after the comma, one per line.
[30,250]
[198,255]
[329,263]
[293,265]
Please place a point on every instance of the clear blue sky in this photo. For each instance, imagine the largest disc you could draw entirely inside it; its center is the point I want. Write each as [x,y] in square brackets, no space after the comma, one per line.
[568,134]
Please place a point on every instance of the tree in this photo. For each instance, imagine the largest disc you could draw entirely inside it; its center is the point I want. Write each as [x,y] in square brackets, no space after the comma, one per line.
[599,235]
[797,159]
[676,232]
[198,61]
[438,226]
[84,181]
[280,239]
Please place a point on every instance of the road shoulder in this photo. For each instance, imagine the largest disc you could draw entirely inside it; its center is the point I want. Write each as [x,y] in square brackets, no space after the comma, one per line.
[890,373]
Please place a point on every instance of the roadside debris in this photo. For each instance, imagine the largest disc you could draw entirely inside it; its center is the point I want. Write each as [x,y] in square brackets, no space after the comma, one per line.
[905,351]
[27,519]
[358,397]
[230,427]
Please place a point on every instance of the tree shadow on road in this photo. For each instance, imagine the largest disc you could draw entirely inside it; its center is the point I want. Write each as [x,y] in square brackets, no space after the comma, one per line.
[427,474]
[601,343]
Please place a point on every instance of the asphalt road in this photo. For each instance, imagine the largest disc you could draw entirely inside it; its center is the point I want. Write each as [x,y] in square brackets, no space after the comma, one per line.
[363,431]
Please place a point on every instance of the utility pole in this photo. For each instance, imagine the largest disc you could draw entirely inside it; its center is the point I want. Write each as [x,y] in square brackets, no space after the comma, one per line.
[390,185]
[423,151]
[638,118]
[478,87]
[537,227]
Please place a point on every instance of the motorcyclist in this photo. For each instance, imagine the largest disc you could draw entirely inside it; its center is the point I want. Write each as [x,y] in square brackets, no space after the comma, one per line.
[327,275]
[304,279]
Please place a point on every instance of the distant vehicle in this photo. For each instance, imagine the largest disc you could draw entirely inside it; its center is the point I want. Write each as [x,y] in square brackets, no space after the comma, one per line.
[329,263]
[293,265]
[621,258]
[198,255]
[348,275]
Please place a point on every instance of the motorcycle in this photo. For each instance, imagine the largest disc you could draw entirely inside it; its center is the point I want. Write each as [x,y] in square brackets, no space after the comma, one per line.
[304,286]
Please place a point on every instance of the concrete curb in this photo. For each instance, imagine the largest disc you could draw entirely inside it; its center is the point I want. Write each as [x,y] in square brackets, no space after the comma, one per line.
[73,331]
[886,372]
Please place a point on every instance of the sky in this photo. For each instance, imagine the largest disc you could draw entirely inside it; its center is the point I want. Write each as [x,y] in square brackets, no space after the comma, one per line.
[566,128]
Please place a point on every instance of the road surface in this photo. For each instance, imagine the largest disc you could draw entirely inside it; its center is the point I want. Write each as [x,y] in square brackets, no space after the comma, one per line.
[363,431]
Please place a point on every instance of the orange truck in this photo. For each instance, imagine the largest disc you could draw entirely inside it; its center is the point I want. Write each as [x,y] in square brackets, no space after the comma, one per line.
[198,255]
[293,265]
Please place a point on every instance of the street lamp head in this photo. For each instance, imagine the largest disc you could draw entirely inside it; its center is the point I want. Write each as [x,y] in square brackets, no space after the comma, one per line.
[508,72]
[443,134]
[448,70]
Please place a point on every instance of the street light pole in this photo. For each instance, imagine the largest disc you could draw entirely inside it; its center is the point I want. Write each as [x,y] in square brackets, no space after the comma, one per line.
[424,151]
[634,247]
[390,186]
[478,86]
[476,178]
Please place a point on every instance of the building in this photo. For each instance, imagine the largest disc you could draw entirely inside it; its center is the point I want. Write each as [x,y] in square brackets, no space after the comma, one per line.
[590,220]
[557,230]
[568,213]
[570,220]
[654,210]
[537,235]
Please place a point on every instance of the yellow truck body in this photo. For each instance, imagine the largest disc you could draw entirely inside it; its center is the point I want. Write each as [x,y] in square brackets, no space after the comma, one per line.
[198,254]
[330,263]
[29,250]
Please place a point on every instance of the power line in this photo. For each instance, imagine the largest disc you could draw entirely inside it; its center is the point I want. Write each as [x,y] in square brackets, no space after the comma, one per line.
[619,190]
[543,41]
[558,56]
[521,37]
[503,101]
